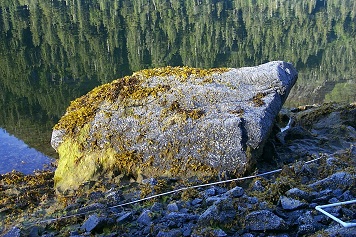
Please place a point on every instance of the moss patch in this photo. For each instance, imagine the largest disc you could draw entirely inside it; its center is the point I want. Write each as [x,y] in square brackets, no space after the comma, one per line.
[257,99]
[180,72]
[186,113]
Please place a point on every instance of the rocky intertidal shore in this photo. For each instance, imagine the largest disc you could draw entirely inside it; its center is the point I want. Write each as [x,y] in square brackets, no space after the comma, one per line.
[312,153]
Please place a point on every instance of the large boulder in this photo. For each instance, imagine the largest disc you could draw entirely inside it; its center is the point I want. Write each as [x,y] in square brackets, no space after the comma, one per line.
[172,121]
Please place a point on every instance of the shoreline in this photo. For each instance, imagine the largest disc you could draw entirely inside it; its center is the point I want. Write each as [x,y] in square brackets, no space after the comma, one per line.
[219,210]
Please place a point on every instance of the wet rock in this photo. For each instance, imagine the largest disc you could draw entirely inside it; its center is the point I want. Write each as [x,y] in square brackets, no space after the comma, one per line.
[187,230]
[170,233]
[306,219]
[341,180]
[180,217]
[335,231]
[175,113]
[219,212]
[264,220]
[297,193]
[291,204]
[196,201]
[96,224]
[172,207]
[35,231]
[235,192]
[258,186]
[215,199]
[157,207]
[124,217]
[14,232]
[209,192]
[145,217]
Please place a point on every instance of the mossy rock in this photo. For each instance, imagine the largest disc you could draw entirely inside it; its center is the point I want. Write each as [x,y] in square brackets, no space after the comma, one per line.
[172,121]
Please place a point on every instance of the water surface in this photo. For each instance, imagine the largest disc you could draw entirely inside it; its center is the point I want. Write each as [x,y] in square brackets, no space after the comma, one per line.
[17,155]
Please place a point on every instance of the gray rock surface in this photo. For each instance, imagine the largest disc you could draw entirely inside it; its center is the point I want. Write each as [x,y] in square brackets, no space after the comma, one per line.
[340,180]
[14,232]
[145,217]
[174,121]
[291,204]
[96,223]
[265,220]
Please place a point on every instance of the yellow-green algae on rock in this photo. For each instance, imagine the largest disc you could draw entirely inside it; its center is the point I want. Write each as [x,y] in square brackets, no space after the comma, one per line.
[173,121]
[78,164]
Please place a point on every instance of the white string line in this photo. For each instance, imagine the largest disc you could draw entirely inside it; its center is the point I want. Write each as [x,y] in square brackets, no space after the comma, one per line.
[344,224]
[175,191]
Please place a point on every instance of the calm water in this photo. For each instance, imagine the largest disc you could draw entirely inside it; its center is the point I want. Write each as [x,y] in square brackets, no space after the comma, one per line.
[54,51]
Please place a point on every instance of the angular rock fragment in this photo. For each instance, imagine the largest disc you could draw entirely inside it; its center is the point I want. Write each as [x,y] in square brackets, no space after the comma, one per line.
[291,204]
[264,220]
[173,121]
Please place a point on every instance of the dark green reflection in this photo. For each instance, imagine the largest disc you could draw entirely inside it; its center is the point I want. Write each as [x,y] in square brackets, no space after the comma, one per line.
[54,51]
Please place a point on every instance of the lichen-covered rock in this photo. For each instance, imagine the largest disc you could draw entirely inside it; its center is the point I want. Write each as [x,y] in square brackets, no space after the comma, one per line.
[173,121]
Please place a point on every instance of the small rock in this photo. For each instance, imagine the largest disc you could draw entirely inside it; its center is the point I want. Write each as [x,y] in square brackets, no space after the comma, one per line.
[220,190]
[333,200]
[157,207]
[182,217]
[340,180]
[215,199]
[171,233]
[95,223]
[187,230]
[248,235]
[346,196]
[145,218]
[258,186]
[220,212]
[96,195]
[338,230]
[124,217]
[35,230]
[264,220]
[291,204]
[14,232]
[297,193]
[293,217]
[209,192]
[196,201]
[235,192]
[331,161]
[172,207]
[305,229]
[219,233]
[48,235]
[252,200]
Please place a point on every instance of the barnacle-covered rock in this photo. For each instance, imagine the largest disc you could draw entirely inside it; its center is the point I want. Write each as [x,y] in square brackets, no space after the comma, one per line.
[172,121]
